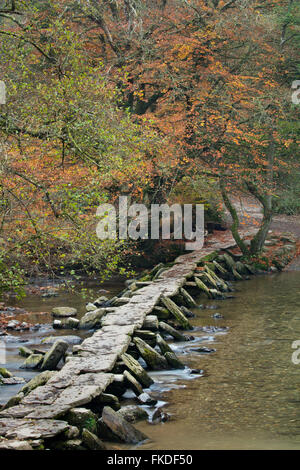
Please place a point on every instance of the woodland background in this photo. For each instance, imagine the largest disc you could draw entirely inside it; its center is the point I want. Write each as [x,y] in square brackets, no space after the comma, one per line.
[184,101]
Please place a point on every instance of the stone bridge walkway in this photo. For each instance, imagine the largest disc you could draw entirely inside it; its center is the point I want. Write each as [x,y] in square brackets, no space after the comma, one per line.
[87,375]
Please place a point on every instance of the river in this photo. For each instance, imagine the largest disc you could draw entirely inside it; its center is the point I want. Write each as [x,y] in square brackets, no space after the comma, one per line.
[248,396]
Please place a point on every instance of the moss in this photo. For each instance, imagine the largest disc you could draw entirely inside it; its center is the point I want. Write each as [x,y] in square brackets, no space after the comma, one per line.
[91,424]
[211,257]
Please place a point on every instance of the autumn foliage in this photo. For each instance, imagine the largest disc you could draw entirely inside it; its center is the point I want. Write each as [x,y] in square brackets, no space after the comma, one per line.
[112,97]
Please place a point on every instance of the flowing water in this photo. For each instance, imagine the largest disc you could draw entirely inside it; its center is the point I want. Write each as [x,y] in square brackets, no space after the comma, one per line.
[248,396]
[40,314]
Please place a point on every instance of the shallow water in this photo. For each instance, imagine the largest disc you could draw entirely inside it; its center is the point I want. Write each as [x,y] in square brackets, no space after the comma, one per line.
[249,395]
[40,313]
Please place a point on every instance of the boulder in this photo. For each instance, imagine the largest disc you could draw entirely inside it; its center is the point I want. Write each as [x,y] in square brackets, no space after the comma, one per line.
[136,370]
[117,387]
[54,355]
[10,444]
[150,323]
[91,441]
[190,302]
[32,362]
[25,352]
[121,429]
[64,312]
[236,275]
[14,400]
[219,268]
[92,319]
[229,261]
[159,416]
[241,268]
[13,381]
[71,444]
[132,383]
[11,325]
[202,286]
[82,418]
[148,336]
[69,323]
[70,339]
[162,313]
[133,413]
[146,399]
[101,300]
[187,312]
[176,312]
[173,361]
[27,429]
[37,381]
[167,329]
[163,345]
[90,307]
[153,359]
[5,373]
[106,399]
[72,432]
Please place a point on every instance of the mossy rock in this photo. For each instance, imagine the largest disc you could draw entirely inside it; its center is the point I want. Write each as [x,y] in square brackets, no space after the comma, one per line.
[82,418]
[211,257]
[153,359]
[5,373]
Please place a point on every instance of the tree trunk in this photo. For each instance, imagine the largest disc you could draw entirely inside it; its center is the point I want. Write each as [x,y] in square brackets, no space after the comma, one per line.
[235,219]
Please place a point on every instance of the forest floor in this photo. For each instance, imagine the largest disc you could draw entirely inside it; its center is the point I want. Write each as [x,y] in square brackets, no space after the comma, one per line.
[251,213]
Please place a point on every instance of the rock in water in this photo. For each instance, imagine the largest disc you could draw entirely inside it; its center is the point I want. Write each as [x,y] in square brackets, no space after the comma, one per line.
[187,298]
[5,373]
[173,361]
[153,359]
[148,336]
[132,383]
[241,268]
[120,428]
[164,327]
[32,362]
[145,399]
[92,319]
[136,370]
[132,413]
[106,399]
[176,312]
[91,441]
[163,345]
[150,323]
[90,307]
[229,261]
[69,323]
[82,418]
[37,381]
[70,339]
[64,312]
[54,355]
[13,381]
[25,352]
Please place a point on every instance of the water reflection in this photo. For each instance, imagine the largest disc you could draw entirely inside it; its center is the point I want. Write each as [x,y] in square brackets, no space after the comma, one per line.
[249,397]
